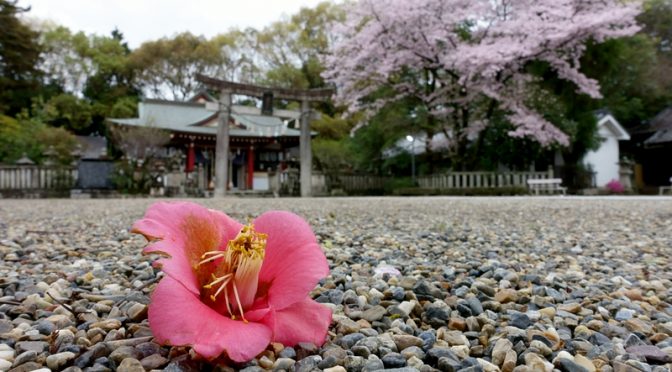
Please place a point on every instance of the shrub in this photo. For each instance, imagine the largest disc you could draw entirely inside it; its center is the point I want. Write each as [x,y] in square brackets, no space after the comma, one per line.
[615,187]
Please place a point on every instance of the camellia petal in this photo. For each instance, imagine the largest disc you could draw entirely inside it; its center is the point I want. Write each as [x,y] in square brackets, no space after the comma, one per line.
[178,317]
[294,262]
[184,232]
[305,321]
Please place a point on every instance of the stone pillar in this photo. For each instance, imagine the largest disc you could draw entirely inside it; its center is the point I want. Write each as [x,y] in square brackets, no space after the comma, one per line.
[305,150]
[222,149]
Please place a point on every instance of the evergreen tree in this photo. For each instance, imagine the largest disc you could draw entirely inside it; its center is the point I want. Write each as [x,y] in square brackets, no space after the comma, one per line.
[19,56]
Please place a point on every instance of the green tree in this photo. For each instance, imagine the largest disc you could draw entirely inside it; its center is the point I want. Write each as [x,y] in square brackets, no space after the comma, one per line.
[167,68]
[66,111]
[19,56]
[30,137]
[114,77]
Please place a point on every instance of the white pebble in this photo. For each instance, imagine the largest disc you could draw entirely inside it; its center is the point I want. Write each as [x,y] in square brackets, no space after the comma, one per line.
[7,355]
[5,365]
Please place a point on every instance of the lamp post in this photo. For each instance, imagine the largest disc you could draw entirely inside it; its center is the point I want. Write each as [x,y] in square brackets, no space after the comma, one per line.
[411,139]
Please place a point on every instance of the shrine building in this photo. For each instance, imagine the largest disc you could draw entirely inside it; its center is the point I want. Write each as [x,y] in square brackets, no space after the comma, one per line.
[260,144]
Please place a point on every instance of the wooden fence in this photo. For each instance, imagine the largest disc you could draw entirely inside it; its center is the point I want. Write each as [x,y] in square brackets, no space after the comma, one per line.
[357,182]
[467,180]
[31,177]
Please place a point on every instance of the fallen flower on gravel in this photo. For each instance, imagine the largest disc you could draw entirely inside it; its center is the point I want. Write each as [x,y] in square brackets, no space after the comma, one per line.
[231,289]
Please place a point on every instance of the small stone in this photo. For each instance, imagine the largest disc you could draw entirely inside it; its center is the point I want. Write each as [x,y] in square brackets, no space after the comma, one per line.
[449,364]
[487,366]
[413,351]
[573,308]
[457,324]
[569,365]
[25,357]
[361,350]
[373,363]
[335,369]
[520,320]
[7,355]
[287,352]
[651,353]
[436,314]
[393,360]
[500,350]
[506,295]
[537,363]
[486,289]
[265,363]
[542,347]
[56,361]
[5,326]
[375,313]
[36,346]
[510,361]
[405,341]
[346,326]
[475,306]
[307,364]
[304,349]
[5,365]
[137,312]
[548,312]
[354,363]
[29,367]
[154,361]
[638,325]
[45,327]
[584,362]
[624,314]
[404,309]
[452,337]
[415,362]
[65,338]
[327,362]
[130,365]
[350,340]
[106,325]
[283,363]
[124,352]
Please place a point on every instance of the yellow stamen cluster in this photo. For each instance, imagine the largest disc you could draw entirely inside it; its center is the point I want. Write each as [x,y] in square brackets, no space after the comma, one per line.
[241,262]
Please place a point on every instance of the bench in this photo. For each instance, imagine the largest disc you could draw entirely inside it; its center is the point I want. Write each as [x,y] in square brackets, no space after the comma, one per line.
[549,185]
[668,188]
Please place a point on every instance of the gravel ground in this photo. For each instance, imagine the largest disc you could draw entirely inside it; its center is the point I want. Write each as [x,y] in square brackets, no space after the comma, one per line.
[510,284]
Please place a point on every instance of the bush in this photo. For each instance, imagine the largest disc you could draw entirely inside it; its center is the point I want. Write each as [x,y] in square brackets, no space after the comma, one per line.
[615,187]
[31,137]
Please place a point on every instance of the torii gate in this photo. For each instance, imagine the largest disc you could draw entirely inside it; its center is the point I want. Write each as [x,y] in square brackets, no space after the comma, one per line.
[227,89]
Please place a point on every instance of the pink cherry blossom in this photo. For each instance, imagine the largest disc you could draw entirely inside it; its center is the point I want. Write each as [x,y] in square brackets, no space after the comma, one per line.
[464,58]
[231,289]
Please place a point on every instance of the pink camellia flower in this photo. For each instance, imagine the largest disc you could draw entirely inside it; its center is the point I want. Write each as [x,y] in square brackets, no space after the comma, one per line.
[231,289]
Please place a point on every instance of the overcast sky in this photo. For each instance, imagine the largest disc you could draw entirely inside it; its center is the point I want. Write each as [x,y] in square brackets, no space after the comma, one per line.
[143,20]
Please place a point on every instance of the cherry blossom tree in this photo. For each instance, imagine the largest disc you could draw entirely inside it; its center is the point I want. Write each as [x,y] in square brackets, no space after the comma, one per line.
[463,60]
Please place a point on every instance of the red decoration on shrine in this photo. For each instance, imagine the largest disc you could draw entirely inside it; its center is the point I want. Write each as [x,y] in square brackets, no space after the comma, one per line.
[191,159]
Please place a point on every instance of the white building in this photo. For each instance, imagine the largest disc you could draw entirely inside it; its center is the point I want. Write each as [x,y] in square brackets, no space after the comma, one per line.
[604,161]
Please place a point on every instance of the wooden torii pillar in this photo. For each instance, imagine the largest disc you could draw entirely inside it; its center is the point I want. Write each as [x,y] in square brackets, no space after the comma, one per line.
[227,89]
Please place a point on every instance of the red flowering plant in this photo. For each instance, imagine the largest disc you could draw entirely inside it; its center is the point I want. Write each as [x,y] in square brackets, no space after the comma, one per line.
[231,289]
[615,187]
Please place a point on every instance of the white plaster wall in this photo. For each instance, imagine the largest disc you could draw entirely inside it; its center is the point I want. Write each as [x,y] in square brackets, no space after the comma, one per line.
[604,161]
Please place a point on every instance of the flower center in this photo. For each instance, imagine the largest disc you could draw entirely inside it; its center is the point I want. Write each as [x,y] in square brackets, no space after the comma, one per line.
[236,276]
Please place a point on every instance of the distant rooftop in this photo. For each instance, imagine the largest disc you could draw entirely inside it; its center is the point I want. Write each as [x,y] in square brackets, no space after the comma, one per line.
[194,117]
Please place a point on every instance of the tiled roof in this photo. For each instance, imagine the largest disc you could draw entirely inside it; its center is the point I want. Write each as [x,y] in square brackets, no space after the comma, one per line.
[192,117]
